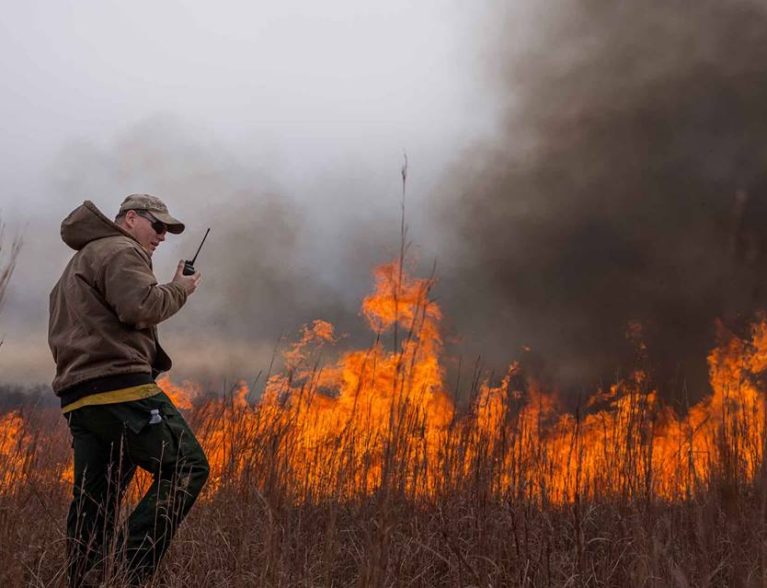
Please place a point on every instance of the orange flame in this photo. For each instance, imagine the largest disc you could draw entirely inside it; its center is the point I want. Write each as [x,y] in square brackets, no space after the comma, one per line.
[379,419]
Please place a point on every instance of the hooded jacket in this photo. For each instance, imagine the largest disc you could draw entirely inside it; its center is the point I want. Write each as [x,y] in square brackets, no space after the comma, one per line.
[105,308]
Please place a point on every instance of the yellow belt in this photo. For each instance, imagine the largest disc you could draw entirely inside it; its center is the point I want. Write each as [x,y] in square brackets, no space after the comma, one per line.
[115,396]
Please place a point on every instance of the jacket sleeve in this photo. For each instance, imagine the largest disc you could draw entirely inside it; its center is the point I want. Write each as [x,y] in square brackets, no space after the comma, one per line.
[131,289]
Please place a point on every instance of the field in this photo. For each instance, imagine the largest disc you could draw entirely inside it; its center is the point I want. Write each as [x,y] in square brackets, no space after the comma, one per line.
[363,471]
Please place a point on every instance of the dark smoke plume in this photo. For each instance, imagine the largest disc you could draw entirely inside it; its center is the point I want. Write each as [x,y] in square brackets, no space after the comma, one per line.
[628,187]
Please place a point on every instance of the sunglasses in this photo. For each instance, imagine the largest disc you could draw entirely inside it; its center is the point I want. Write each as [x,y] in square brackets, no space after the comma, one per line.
[159,227]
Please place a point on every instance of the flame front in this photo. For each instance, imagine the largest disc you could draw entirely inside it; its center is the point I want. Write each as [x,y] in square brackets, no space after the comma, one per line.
[375,415]
[380,419]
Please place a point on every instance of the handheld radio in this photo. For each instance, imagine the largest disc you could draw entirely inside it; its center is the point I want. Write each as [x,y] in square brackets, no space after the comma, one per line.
[189,264]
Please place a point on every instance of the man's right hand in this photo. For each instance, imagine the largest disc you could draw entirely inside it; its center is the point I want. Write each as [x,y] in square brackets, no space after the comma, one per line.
[189,283]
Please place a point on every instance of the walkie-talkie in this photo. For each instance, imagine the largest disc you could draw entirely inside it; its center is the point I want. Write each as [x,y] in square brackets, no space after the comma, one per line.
[189,265]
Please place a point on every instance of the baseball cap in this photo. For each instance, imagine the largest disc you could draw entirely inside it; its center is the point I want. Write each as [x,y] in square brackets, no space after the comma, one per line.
[155,206]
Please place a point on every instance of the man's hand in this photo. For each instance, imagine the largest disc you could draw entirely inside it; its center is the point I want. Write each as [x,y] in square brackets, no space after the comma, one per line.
[189,283]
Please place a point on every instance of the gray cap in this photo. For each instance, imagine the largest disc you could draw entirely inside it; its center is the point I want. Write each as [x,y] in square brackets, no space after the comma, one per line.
[156,207]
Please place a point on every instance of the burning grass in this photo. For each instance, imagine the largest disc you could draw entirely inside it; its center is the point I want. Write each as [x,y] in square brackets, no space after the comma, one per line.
[363,471]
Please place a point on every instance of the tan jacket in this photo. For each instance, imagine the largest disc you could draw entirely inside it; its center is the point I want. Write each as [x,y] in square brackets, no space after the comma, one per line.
[105,307]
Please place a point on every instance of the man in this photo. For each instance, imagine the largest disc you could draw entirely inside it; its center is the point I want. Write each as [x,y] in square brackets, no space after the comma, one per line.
[104,312]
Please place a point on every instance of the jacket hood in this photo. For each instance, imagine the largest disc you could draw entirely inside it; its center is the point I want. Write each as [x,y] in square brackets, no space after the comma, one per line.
[87,223]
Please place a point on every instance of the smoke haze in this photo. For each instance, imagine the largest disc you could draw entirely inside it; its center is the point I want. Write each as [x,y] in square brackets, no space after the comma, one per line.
[280,125]
[268,265]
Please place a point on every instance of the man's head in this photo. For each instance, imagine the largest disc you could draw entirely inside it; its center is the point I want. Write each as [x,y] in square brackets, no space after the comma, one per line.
[147,220]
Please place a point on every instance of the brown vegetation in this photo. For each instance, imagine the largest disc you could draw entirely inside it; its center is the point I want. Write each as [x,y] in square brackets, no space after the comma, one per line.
[7,261]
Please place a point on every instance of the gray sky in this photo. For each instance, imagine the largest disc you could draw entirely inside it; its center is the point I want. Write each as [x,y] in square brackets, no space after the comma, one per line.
[281,125]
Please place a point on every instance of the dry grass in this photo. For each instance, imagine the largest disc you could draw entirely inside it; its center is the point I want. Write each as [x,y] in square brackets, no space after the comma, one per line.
[8,256]
[250,530]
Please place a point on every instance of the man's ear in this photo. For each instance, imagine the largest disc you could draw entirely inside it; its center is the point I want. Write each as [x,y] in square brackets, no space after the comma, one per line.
[130,218]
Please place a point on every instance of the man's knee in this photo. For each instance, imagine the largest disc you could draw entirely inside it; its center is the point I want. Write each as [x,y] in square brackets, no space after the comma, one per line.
[204,468]
[201,468]
[195,470]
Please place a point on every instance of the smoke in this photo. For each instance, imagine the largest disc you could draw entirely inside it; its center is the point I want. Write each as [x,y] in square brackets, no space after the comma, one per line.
[273,261]
[625,197]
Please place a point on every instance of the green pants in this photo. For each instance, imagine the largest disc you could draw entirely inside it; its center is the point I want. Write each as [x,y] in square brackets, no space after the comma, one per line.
[109,442]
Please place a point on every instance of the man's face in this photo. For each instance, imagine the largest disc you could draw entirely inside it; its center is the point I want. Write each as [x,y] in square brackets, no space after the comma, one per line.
[140,226]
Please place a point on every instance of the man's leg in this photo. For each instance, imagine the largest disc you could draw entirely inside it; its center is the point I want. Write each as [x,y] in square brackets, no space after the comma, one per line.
[101,477]
[169,450]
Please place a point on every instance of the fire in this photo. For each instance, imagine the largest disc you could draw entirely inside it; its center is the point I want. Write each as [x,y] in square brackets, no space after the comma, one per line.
[13,441]
[32,450]
[182,396]
[380,420]
[339,430]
